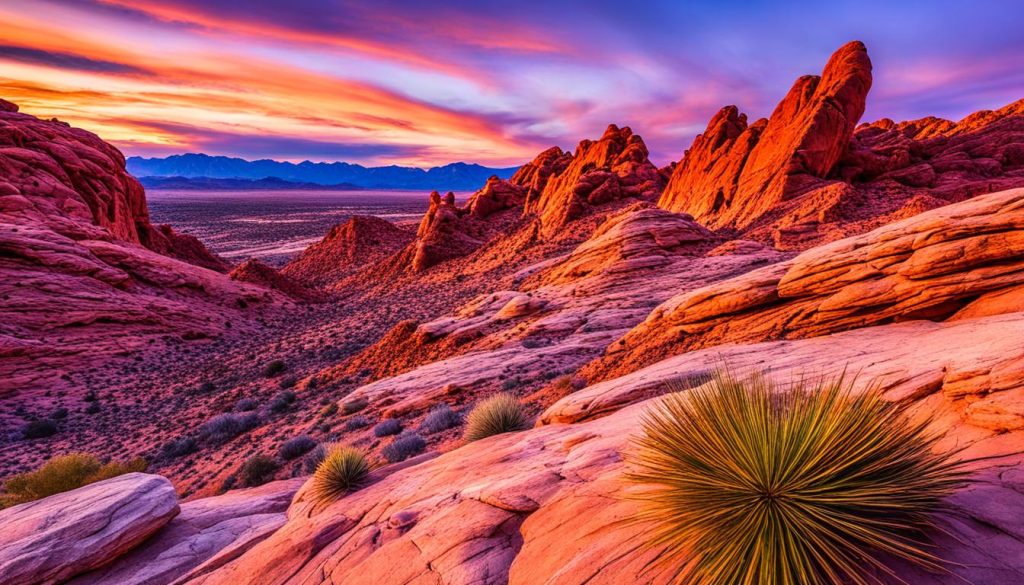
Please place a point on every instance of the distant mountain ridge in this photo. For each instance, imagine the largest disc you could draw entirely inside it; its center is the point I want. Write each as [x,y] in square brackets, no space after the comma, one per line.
[264,184]
[455,176]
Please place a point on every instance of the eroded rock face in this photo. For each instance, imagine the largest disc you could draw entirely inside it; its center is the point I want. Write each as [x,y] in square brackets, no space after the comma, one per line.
[256,272]
[56,538]
[360,241]
[930,266]
[735,173]
[81,268]
[207,534]
[614,167]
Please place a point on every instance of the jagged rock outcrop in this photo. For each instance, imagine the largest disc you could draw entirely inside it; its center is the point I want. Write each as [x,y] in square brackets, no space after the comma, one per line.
[81,268]
[54,539]
[734,174]
[931,266]
[207,534]
[347,247]
[613,167]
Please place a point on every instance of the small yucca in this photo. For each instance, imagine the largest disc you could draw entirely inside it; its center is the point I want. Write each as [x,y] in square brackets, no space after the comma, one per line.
[342,470]
[748,483]
[501,413]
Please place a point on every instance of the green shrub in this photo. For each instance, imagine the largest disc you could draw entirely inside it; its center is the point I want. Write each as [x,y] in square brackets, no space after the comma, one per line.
[61,474]
[342,470]
[746,482]
[501,413]
[257,470]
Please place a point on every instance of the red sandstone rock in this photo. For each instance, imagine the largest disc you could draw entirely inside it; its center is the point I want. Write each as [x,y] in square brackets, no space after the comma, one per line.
[75,275]
[253,271]
[613,167]
[349,246]
[734,174]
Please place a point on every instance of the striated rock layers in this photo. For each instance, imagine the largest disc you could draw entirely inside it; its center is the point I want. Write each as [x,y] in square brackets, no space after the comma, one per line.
[734,173]
[965,259]
[360,241]
[53,539]
[81,268]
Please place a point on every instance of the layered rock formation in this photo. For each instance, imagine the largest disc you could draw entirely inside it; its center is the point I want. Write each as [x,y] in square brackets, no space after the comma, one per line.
[734,174]
[81,267]
[347,247]
[56,538]
[966,257]
[256,272]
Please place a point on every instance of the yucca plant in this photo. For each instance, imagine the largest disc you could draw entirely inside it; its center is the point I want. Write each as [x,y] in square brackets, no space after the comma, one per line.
[745,482]
[501,413]
[342,470]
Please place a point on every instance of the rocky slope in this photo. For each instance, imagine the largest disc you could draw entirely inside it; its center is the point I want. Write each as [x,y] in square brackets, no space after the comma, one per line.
[82,270]
[349,246]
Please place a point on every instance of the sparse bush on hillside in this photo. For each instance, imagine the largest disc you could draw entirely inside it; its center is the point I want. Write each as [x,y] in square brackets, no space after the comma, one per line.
[501,413]
[440,418]
[246,405]
[257,470]
[282,401]
[387,427]
[342,470]
[61,474]
[93,408]
[403,447]
[273,368]
[39,429]
[59,414]
[823,483]
[312,460]
[206,387]
[354,405]
[296,446]
[224,427]
[510,384]
[179,447]
[357,422]
[288,382]
[329,410]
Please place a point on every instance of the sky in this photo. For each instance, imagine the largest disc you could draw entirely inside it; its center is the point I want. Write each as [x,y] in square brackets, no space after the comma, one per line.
[423,82]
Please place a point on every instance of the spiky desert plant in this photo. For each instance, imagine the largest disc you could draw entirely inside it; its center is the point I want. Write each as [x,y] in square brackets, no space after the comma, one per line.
[748,482]
[501,413]
[342,470]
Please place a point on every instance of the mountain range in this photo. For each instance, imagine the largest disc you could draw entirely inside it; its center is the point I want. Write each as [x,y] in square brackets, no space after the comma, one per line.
[451,177]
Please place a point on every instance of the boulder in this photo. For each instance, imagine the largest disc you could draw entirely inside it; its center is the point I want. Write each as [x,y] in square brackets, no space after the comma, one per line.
[55,538]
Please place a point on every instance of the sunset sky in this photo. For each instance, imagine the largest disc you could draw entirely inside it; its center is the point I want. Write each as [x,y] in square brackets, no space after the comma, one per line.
[425,83]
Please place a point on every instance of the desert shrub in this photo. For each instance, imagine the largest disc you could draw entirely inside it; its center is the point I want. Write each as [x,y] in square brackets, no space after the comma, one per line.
[93,408]
[387,427]
[510,384]
[38,429]
[206,387]
[355,405]
[61,474]
[440,418]
[329,410]
[357,422]
[59,413]
[179,447]
[288,382]
[342,470]
[296,446]
[246,405]
[282,401]
[748,482]
[224,427]
[90,396]
[312,460]
[273,368]
[501,413]
[257,470]
[403,447]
